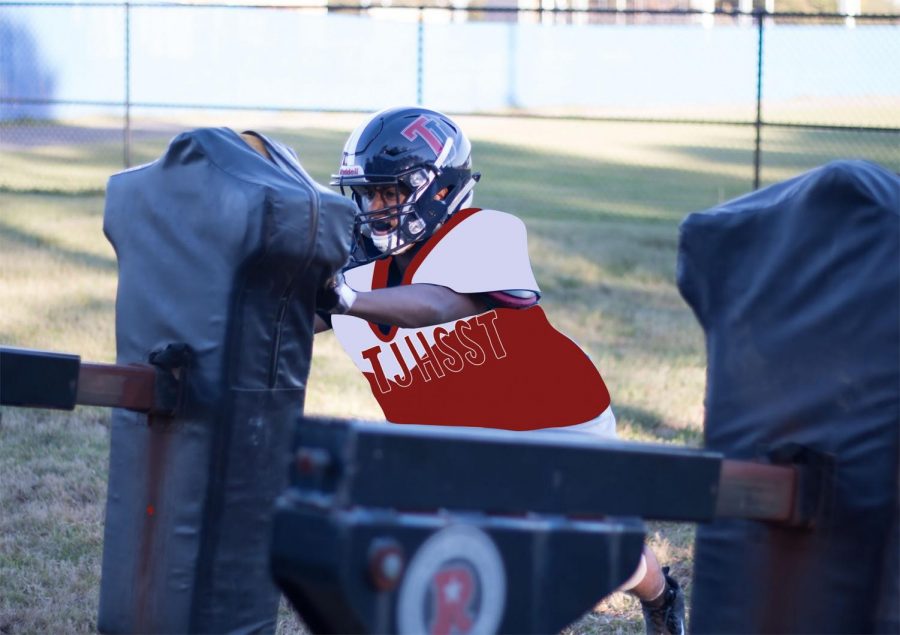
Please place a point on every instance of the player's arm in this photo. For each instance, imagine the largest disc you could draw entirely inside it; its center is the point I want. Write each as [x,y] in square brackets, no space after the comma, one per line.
[321,323]
[416,305]
[408,306]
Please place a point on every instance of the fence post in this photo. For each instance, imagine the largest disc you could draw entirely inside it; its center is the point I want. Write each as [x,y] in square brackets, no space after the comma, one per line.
[126,133]
[512,56]
[420,54]
[759,69]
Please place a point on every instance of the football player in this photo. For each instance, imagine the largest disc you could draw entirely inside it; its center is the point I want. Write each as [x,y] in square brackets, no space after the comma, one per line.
[440,310]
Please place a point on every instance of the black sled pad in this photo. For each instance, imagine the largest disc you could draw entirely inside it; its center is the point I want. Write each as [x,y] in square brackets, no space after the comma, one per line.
[797,287]
[220,254]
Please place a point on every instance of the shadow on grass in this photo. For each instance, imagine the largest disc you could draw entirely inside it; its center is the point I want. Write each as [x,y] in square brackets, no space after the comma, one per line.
[799,150]
[654,425]
[555,185]
[74,256]
[519,179]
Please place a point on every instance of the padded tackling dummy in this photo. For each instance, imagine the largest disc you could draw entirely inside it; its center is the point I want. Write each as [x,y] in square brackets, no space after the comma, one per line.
[798,289]
[222,249]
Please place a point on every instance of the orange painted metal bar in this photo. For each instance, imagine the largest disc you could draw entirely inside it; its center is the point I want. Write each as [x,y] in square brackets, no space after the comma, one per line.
[116,386]
[757,491]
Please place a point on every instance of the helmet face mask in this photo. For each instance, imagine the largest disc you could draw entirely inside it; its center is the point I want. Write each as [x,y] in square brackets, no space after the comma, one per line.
[407,170]
[387,215]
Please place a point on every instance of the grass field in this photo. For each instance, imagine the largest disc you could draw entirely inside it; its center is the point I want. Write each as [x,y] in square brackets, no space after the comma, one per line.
[602,203]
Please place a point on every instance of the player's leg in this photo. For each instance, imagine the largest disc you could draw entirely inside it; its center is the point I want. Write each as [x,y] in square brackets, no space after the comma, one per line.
[662,599]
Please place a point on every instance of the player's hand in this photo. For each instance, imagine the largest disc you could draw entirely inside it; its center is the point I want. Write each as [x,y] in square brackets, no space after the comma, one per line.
[336,296]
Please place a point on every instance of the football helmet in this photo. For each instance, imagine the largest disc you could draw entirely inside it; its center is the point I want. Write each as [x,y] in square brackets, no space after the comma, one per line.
[395,166]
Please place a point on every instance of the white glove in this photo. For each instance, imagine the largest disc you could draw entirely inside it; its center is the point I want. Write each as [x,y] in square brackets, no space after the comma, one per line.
[336,296]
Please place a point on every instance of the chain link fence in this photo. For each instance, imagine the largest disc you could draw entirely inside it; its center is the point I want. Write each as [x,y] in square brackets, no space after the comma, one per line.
[649,113]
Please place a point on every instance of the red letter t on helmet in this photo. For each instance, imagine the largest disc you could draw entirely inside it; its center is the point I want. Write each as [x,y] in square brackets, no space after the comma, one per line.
[419,128]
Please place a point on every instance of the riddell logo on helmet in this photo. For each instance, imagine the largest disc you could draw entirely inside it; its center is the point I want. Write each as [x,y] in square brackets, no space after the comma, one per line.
[350,170]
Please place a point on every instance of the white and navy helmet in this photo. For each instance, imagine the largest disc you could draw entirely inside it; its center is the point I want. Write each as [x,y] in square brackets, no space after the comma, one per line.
[418,151]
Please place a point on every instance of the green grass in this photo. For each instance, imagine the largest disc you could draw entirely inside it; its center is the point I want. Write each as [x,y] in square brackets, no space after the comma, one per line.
[601,202]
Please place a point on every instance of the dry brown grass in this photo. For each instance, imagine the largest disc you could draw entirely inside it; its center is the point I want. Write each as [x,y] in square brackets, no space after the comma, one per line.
[52,496]
[604,249]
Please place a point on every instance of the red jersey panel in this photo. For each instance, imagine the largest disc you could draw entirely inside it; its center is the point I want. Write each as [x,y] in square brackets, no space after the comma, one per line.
[505,369]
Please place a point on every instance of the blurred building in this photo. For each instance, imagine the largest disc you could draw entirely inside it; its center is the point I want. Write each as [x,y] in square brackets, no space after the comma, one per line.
[567,11]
